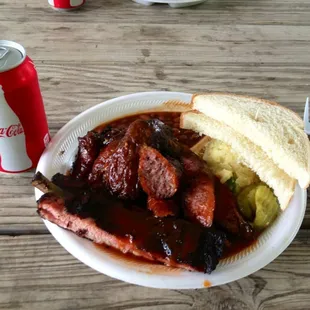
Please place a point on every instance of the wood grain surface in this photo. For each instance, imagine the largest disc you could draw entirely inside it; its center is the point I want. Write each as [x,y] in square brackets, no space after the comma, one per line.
[115,47]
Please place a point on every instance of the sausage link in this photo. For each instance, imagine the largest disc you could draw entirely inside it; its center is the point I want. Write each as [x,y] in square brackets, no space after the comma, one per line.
[158,177]
[199,200]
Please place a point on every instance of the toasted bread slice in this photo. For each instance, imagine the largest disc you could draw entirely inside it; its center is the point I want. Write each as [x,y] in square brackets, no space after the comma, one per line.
[276,129]
[251,154]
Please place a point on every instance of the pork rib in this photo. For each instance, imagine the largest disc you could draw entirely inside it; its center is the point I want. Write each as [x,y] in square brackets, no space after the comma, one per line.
[106,220]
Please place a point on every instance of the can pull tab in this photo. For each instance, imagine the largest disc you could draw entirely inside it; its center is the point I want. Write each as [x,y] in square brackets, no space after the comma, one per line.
[3,51]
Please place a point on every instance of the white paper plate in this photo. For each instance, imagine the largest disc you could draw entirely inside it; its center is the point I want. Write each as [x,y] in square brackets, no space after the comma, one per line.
[172,3]
[58,158]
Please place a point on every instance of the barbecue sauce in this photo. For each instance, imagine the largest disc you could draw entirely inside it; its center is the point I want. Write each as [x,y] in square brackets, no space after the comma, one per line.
[172,119]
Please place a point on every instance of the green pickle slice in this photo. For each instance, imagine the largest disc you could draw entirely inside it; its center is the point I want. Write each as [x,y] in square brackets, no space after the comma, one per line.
[258,205]
[267,207]
[246,202]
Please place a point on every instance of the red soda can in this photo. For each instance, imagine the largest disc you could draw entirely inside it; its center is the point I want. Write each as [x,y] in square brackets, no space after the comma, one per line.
[24,131]
[66,4]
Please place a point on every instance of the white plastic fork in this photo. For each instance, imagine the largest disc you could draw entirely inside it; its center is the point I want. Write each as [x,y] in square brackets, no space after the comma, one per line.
[306,117]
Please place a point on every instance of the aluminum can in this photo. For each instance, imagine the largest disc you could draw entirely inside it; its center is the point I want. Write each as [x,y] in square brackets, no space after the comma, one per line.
[65,5]
[24,130]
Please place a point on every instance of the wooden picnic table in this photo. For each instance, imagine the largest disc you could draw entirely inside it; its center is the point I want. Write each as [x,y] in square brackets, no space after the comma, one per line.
[115,47]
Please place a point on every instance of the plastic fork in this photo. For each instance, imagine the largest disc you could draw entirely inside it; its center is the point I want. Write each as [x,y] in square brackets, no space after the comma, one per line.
[306,117]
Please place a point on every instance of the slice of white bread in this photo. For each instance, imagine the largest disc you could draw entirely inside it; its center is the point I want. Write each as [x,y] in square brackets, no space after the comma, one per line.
[252,155]
[276,129]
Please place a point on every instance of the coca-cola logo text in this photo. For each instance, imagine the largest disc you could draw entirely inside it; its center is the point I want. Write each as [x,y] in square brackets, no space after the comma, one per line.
[11,131]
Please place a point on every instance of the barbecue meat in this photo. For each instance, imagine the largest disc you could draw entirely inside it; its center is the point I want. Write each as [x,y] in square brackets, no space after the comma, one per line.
[116,167]
[227,214]
[88,150]
[110,134]
[158,177]
[68,182]
[163,139]
[89,147]
[99,175]
[192,163]
[140,132]
[106,220]
[121,174]
[162,207]
[199,200]
[119,164]
[167,144]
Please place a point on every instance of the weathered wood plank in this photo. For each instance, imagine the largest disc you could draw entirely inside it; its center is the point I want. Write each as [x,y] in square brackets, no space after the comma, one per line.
[36,273]
[163,44]
[259,12]
[72,88]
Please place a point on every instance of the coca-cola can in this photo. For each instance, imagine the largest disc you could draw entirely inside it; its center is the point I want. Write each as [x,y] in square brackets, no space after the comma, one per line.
[66,4]
[24,131]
